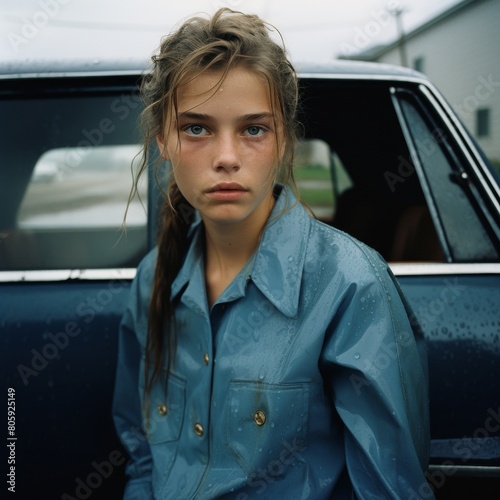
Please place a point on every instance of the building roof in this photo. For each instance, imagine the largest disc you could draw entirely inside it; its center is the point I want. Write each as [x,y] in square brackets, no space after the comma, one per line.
[377,51]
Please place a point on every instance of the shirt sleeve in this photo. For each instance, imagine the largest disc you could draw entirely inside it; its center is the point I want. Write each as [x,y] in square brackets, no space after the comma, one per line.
[127,412]
[376,370]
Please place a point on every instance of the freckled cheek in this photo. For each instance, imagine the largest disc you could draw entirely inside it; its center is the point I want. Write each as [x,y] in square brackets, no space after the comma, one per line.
[187,155]
[266,150]
[188,171]
[189,185]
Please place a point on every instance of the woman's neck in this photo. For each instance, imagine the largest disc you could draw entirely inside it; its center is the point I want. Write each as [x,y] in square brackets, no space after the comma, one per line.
[228,247]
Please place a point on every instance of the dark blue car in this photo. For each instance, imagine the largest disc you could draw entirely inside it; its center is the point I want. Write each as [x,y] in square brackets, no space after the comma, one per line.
[402,175]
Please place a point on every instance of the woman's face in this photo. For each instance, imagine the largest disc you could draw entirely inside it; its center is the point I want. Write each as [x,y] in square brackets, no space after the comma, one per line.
[223,148]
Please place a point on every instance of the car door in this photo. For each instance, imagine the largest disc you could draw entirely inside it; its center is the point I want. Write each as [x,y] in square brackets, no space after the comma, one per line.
[410,182]
[66,264]
[457,303]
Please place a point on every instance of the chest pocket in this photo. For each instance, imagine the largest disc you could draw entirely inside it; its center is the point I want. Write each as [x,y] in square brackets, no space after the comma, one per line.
[166,410]
[266,424]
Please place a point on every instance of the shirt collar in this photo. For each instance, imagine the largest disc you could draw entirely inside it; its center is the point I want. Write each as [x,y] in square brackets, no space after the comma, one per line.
[279,261]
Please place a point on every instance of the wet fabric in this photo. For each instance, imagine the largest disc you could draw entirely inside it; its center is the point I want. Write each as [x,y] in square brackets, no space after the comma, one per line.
[304,380]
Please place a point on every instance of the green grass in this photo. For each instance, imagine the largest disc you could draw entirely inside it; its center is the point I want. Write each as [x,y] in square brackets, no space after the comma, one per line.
[313,173]
[317,197]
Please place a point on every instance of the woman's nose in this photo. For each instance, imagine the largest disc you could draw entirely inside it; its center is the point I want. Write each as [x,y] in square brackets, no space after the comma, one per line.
[226,155]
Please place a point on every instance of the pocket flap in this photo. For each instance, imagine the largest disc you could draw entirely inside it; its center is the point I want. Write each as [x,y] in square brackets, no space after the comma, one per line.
[264,422]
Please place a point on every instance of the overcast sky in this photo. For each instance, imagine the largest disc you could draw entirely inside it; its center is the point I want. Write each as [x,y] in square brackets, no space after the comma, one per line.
[316,30]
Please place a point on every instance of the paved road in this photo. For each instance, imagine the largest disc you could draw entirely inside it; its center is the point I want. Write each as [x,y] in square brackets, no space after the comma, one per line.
[88,199]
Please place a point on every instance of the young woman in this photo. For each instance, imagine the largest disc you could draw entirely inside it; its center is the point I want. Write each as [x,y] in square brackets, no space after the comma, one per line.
[263,354]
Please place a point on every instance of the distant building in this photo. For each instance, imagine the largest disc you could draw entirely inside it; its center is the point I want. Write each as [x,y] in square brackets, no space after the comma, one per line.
[459,51]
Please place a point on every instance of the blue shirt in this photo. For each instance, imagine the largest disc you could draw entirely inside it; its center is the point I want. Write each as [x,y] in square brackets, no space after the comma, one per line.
[304,380]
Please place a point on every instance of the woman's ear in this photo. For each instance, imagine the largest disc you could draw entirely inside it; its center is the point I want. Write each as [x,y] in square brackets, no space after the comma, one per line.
[160,140]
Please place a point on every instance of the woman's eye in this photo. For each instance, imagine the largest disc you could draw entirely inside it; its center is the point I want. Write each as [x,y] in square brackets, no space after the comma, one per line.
[195,130]
[255,130]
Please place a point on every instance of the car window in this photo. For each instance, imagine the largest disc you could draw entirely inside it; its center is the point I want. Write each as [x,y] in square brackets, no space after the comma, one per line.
[94,195]
[65,178]
[463,225]
[368,150]
[319,175]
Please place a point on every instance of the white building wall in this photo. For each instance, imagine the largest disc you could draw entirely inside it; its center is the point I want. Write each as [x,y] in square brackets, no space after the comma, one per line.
[461,56]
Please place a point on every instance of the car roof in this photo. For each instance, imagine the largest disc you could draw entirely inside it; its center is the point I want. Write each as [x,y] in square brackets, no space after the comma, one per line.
[101,67]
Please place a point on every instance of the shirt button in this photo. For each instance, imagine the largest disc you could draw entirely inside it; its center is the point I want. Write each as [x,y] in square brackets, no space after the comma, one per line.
[259,417]
[162,409]
[198,429]
[206,359]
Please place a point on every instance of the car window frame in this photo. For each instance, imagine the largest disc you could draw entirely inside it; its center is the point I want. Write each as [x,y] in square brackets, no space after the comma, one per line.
[31,86]
[472,183]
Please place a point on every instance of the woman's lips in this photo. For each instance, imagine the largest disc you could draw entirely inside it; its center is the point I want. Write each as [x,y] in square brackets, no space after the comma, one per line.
[226,191]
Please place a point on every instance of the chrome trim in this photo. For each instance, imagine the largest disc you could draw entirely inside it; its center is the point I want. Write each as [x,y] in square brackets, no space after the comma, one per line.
[67,274]
[435,97]
[69,74]
[422,176]
[365,76]
[380,76]
[398,268]
[466,470]
[439,268]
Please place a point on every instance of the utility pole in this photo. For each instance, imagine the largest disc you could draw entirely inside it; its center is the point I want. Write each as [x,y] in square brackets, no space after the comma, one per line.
[398,12]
